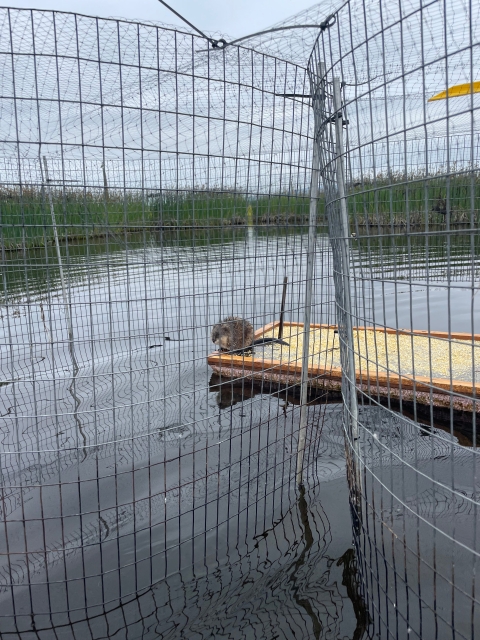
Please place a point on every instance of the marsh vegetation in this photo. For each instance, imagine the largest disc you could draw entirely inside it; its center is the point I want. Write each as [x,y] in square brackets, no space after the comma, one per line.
[405,201]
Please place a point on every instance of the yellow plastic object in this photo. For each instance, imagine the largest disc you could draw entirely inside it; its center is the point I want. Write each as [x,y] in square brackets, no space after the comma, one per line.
[457,90]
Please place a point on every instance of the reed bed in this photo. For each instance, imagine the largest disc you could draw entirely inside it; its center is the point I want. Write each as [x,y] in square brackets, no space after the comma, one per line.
[415,200]
[26,221]
[403,201]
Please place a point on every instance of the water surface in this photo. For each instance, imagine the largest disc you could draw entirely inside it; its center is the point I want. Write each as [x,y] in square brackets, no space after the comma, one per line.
[134,467]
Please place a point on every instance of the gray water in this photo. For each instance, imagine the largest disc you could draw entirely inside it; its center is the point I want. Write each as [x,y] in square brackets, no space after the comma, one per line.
[126,451]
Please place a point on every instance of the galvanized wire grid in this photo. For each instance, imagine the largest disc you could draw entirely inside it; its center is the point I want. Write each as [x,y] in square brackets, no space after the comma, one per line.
[401,182]
[149,188]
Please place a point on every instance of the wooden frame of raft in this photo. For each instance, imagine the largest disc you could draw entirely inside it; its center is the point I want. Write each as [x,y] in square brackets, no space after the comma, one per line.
[418,388]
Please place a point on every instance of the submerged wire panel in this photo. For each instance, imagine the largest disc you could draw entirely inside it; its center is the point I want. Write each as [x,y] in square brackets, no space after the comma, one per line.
[149,188]
[399,149]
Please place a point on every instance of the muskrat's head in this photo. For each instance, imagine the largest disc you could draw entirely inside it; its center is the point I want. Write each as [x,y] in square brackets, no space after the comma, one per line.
[221,335]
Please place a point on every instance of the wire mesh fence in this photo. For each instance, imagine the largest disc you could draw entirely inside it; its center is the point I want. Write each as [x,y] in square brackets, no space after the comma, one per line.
[399,147]
[150,187]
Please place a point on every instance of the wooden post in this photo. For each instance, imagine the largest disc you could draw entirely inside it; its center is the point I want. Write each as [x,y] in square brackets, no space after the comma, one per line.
[282,308]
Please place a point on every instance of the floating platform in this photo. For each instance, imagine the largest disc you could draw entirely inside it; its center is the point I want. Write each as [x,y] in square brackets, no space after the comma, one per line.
[413,366]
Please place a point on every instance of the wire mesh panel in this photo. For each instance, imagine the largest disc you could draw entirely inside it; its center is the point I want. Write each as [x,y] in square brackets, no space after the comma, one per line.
[399,146]
[158,195]
[150,187]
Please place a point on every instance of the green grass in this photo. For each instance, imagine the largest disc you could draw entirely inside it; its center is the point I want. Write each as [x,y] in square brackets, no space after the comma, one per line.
[398,200]
[216,206]
[26,221]
[413,199]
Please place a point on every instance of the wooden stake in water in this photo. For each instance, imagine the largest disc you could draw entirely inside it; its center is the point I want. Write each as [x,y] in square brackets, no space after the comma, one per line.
[282,308]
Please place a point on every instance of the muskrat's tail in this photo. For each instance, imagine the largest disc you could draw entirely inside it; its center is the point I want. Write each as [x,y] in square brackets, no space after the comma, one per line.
[269,341]
[258,342]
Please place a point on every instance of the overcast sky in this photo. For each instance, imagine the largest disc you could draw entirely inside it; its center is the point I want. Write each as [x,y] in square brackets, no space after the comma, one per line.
[232,17]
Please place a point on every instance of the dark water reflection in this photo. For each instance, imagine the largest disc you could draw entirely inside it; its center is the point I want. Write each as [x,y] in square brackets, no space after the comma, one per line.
[295,579]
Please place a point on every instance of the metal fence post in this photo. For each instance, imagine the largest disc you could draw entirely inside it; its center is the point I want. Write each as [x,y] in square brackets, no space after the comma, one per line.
[317,98]
[343,245]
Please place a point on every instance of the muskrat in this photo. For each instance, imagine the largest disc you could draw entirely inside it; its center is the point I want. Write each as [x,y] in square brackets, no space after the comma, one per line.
[236,335]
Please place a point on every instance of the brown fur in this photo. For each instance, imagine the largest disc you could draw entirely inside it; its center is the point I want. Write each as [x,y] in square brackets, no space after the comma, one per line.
[232,333]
